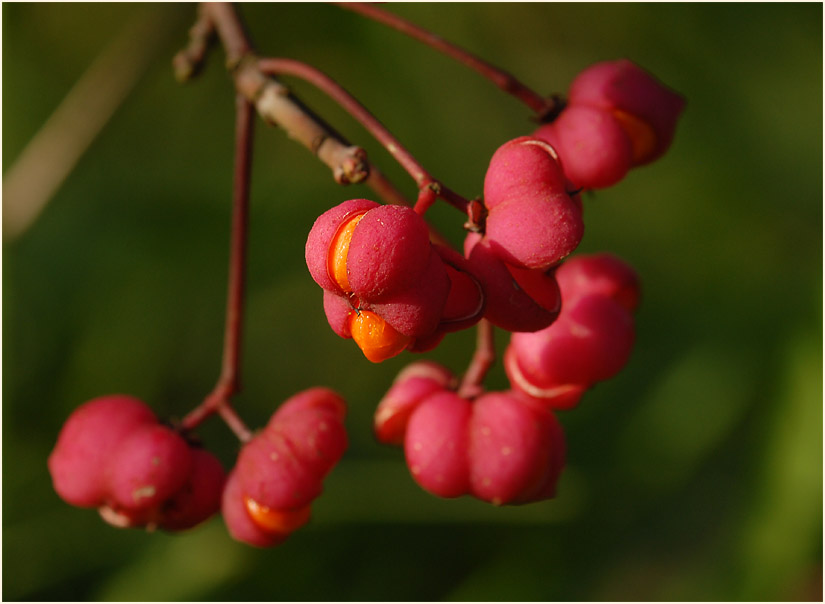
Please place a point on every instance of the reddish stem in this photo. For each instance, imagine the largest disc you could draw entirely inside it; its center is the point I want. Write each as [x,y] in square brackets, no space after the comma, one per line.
[229,381]
[483,358]
[499,77]
[424,180]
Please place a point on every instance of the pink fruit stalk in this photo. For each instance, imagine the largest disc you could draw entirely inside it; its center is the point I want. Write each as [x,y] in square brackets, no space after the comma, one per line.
[590,341]
[618,116]
[390,283]
[280,471]
[113,455]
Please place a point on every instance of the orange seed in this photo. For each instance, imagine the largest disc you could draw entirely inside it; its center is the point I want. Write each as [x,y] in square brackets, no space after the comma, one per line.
[275,521]
[642,136]
[338,251]
[375,337]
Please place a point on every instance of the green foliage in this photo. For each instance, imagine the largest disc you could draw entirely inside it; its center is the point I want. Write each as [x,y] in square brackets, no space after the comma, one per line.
[695,474]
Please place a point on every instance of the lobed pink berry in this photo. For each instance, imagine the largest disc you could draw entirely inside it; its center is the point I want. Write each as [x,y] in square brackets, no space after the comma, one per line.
[412,385]
[633,95]
[87,441]
[313,421]
[500,448]
[617,116]
[436,444]
[596,149]
[532,221]
[391,284]
[516,299]
[113,454]
[258,526]
[466,300]
[150,465]
[601,274]
[590,341]
[516,450]
[200,496]
[280,471]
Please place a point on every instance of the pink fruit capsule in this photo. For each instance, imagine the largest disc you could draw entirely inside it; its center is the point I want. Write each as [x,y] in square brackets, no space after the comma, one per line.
[516,300]
[601,274]
[589,342]
[241,524]
[379,262]
[532,220]
[388,251]
[199,498]
[436,444]
[313,422]
[516,449]
[466,301]
[283,466]
[596,150]
[414,383]
[148,467]
[86,443]
[327,226]
[647,109]
[272,475]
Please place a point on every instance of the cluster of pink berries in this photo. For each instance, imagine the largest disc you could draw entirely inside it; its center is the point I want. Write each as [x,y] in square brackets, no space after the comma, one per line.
[501,447]
[112,454]
[508,447]
[387,286]
[390,289]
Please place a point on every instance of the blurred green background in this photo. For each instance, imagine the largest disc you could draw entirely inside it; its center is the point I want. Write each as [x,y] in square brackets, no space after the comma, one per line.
[696,474]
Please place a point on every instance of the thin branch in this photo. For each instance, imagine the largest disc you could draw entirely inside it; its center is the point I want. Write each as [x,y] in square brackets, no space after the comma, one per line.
[277,106]
[230,373]
[230,29]
[189,61]
[504,80]
[229,381]
[483,358]
[429,187]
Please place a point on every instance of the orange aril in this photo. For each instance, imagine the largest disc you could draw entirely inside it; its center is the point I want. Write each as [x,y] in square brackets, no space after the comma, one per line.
[276,521]
[338,251]
[641,134]
[376,338]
